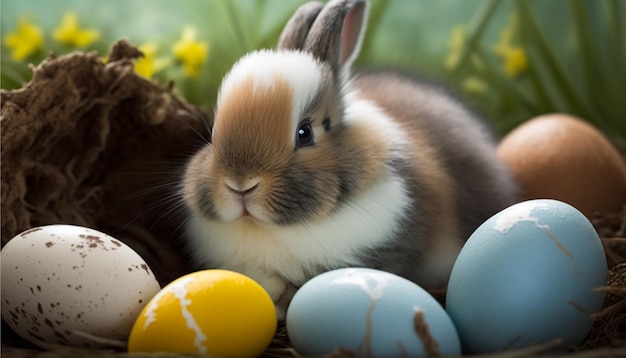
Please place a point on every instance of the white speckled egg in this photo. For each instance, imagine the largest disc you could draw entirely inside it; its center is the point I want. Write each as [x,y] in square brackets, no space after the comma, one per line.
[527,276]
[62,284]
[368,313]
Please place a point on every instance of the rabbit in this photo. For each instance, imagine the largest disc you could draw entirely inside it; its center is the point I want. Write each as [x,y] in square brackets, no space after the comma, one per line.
[311,168]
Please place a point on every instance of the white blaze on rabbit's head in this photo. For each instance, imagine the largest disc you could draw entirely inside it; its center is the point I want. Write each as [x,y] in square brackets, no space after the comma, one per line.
[279,144]
[261,104]
[271,159]
[265,74]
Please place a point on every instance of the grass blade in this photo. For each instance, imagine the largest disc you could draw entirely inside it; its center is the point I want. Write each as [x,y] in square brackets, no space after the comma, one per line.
[270,39]
[236,25]
[614,16]
[550,72]
[376,12]
[504,85]
[586,47]
[613,11]
[475,31]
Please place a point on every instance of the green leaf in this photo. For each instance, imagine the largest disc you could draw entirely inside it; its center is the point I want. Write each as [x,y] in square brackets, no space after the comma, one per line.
[503,84]
[236,25]
[615,64]
[475,31]
[549,73]
[14,74]
[376,12]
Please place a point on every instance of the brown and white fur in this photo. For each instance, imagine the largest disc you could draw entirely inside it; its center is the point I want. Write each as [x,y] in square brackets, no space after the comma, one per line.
[397,175]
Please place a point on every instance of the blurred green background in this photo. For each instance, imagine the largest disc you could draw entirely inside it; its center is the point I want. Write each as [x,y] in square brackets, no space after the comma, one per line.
[563,55]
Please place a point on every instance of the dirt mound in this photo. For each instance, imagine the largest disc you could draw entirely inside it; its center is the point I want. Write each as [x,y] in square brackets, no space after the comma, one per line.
[95,144]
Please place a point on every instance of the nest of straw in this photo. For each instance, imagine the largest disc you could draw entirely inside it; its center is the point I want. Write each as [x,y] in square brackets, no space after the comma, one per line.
[94,144]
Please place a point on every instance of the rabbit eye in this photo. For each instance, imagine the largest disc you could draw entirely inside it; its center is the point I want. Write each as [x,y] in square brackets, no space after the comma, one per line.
[304,135]
[326,124]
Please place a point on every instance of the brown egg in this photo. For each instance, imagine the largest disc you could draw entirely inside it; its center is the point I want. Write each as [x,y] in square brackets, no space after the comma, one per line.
[561,157]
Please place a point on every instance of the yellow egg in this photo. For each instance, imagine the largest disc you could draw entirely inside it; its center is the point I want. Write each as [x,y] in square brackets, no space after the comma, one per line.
[211,312]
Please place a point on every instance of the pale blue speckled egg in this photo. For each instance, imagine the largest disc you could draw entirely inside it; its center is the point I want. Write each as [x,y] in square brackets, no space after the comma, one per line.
[368,312]
[527,276]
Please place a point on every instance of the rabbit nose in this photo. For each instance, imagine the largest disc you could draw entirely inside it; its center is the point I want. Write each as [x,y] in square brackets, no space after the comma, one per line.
[241,187]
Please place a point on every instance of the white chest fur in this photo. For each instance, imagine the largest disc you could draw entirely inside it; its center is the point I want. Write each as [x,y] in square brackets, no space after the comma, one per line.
[273,254]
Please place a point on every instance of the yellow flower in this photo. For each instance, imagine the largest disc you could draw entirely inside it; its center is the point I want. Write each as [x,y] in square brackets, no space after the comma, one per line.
[149,64]
[474,84]
[190,52]
[515,60]
[69,32]
[457,38]
[514,57]
[24,41]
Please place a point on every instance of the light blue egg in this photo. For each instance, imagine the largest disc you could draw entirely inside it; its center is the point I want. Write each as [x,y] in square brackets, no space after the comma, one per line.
[527,276]
[368,312]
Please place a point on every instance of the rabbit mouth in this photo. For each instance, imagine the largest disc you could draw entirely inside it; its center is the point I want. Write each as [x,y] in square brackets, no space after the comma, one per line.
[247,215]
[239,210]
[243,209]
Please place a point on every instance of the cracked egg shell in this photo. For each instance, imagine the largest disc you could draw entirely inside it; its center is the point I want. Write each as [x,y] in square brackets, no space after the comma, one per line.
[71,285]
[369,313]
[526,276]
[209,312]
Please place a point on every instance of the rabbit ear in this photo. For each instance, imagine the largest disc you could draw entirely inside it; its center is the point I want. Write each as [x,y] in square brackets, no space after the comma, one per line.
[336,34]
[297,28]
